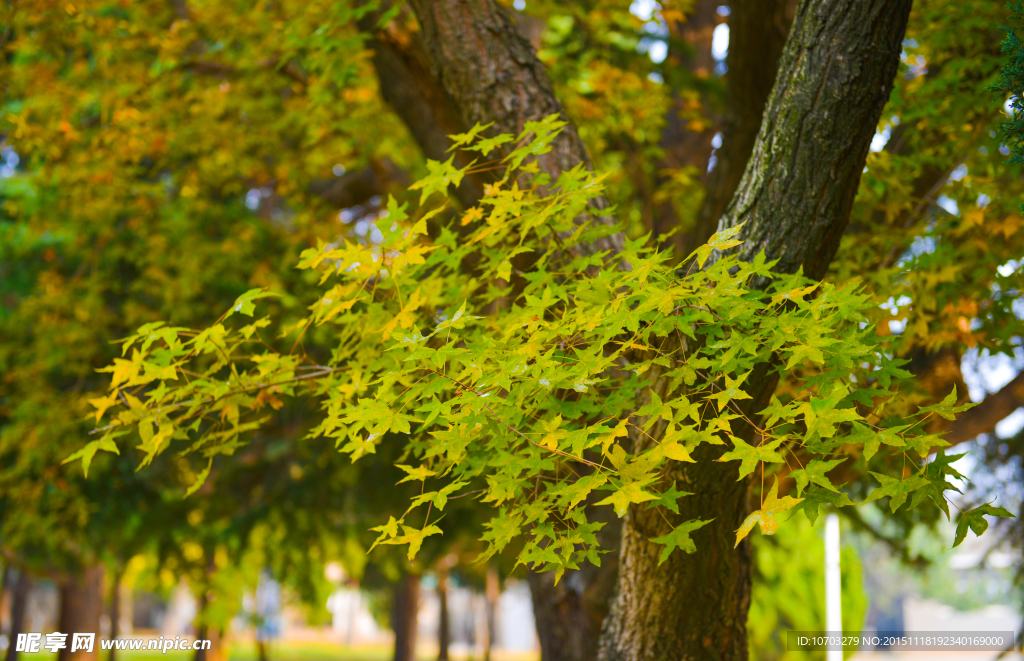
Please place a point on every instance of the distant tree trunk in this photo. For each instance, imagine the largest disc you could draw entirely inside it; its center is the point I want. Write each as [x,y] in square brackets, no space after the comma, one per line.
[81,604]
[216,638]
[115,611]
[492,590]
[757,35]
[261,649]
[4,579]
[444,625]
[19,604]
[203,630]
[403,617]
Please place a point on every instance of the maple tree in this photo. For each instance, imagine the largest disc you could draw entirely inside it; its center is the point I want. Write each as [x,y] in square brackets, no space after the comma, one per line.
[533,312]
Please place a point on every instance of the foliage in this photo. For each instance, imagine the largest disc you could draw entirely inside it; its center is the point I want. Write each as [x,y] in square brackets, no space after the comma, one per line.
[531,404]
[1011,85]
[142,128]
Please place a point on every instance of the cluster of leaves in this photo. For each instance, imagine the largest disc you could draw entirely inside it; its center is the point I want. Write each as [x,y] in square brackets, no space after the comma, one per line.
[1011,85]
[533,388]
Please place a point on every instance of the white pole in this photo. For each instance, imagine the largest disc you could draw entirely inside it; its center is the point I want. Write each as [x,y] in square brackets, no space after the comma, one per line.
[833,588]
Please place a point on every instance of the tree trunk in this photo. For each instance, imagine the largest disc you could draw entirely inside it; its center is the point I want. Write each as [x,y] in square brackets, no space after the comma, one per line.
[19,604]
[115,612]
[81,604]
[403,617]
[492,591]
[835,76]
[5,578]
[261,649]
[443,626]
[491,74]
[203,630]
[691,606]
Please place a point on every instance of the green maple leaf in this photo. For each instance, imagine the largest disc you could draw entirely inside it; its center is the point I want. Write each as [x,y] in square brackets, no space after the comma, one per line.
[418,473]
[244,303]
[200,479]
[731,391]
[776,411]
[866,436]
[668,498]
[816,497]
[765,517]
[721,241]
[414,538]
[87,453]
[487,145]
[387,532]
[630,493]
[573,494]
[814,473]
[923,444]
[438,498]
[821,415]
[936,473]
[947,408]
[469,136]
[655,409]
[898,490]
[500,531]
[679,538]
[750,455]
[975,520]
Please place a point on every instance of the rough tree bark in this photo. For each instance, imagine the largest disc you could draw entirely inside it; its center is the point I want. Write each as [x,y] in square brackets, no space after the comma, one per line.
[19,605]
[81,603]
[403,617]
[835,76]
[491,74]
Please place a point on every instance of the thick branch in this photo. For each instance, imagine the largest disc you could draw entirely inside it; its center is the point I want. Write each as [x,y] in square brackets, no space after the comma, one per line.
[492,75]
[407,85]
[984,417]
[353,188]
[835,76]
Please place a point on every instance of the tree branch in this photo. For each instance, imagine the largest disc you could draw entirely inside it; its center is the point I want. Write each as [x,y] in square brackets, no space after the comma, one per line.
[835,76]
[358,187]
[408,86]
[492,75]
[984,417]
